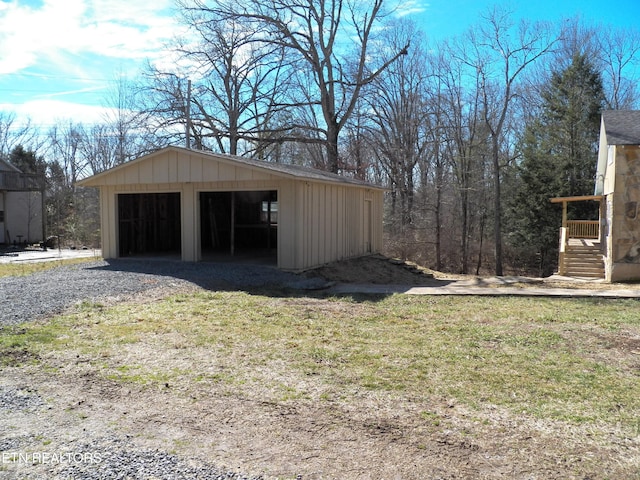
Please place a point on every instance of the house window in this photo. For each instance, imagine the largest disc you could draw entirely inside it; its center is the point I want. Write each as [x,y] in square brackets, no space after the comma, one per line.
[269,212]
[611,154]
[1,216]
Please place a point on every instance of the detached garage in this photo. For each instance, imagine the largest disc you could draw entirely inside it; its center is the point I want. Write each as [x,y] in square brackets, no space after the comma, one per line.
[199,206]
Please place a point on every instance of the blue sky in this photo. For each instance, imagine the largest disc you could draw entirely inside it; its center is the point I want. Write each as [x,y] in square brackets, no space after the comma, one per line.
[444,18]
[59,59]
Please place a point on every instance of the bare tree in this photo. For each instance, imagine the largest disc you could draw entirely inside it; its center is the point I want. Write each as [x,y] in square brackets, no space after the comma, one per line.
[124,133]
[125,128]
[619,54]
[65,147]
[164,105]
[456,104]
[614,52]
[398,118]
[329,46]
[241,79]
[357,152]
[500,53]
[13,133]
[101,147]
[233,84]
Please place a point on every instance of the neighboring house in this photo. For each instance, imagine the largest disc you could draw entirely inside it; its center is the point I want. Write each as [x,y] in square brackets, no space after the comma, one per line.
[20,206]
[618,181]
[204,206]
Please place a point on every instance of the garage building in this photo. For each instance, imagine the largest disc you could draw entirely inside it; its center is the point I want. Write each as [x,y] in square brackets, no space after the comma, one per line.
[197,206]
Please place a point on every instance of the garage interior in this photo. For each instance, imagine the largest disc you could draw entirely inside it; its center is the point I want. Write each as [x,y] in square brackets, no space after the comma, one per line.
[239,226]
[149,224]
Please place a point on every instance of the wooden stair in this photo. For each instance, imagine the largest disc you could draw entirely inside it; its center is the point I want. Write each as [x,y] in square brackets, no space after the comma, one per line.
[583,259]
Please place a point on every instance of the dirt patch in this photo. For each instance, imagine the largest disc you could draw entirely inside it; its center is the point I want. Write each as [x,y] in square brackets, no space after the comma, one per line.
[382,270]
[375,269]
[369,437]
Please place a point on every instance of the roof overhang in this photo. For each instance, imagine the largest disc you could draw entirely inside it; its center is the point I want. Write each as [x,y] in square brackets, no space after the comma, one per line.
[294,172]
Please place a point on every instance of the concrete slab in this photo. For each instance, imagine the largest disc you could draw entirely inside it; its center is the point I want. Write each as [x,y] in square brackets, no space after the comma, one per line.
[32,256]
[485,290]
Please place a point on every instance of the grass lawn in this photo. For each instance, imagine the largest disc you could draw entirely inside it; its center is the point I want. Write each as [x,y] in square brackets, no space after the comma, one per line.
[19,269]
[574,362]
[571,360]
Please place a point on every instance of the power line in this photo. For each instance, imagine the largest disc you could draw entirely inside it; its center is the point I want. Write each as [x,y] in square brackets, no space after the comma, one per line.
[61,92]
[49,76]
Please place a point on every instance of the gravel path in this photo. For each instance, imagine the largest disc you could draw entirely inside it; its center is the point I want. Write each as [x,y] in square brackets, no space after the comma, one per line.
[95,457]
[52,291]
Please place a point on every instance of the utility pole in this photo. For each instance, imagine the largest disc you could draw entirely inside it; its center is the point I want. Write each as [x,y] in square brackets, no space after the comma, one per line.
[187,111]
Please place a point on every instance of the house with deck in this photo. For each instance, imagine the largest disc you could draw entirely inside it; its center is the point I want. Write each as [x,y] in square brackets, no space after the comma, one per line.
[21,206]
[608,248]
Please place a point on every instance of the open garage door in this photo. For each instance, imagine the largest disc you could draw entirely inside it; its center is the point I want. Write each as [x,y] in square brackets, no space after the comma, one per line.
[239,226]
[149,224]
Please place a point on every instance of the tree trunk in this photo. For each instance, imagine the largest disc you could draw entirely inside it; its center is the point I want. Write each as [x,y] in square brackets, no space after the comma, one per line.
[464,240]
[497,205]
[333,165]
[438,215]
[479,264]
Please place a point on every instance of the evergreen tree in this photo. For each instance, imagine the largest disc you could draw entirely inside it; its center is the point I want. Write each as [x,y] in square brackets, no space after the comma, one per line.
[27,161]
[571,113]
[559,152]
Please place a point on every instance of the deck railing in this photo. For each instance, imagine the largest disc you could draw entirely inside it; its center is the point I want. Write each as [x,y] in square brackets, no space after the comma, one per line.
[562,250]
[18,181]
[583,229]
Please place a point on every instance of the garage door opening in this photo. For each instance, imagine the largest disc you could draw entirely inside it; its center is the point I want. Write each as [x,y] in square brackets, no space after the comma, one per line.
[239,226]
[149,224]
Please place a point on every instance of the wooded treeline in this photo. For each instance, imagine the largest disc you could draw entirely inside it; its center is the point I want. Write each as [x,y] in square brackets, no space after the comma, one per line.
[472,135]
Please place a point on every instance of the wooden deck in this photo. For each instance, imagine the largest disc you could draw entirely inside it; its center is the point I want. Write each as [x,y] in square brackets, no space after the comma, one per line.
[584,242]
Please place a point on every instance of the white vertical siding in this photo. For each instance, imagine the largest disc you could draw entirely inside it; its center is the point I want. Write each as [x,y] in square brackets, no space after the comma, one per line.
[330,223]
[190,223]
[109,221]
[23,216]
[2,220]
[289,225]
[301,206]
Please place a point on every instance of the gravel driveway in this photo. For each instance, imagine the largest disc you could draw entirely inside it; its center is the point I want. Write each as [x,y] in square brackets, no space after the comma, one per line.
[52,291]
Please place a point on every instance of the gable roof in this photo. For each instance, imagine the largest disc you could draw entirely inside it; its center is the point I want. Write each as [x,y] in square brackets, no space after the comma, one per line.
[622,127]
[277,169]
[8,167]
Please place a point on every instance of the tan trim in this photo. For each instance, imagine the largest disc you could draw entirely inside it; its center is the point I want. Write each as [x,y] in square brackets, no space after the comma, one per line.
[576,199]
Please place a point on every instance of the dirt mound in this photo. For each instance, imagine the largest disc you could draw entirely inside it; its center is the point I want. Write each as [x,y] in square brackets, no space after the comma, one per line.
[381,270]
[376,269]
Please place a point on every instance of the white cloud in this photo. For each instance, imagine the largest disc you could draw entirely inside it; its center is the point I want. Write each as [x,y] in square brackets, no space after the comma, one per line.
[57,28]
[46,113]
[410,7]
[71,92]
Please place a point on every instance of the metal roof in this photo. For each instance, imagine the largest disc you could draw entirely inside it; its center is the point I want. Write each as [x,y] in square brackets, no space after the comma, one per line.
[280,169]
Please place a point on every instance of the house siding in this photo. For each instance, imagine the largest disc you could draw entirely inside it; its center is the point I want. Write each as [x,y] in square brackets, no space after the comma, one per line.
[23,216]
[333,224]
[22,208]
